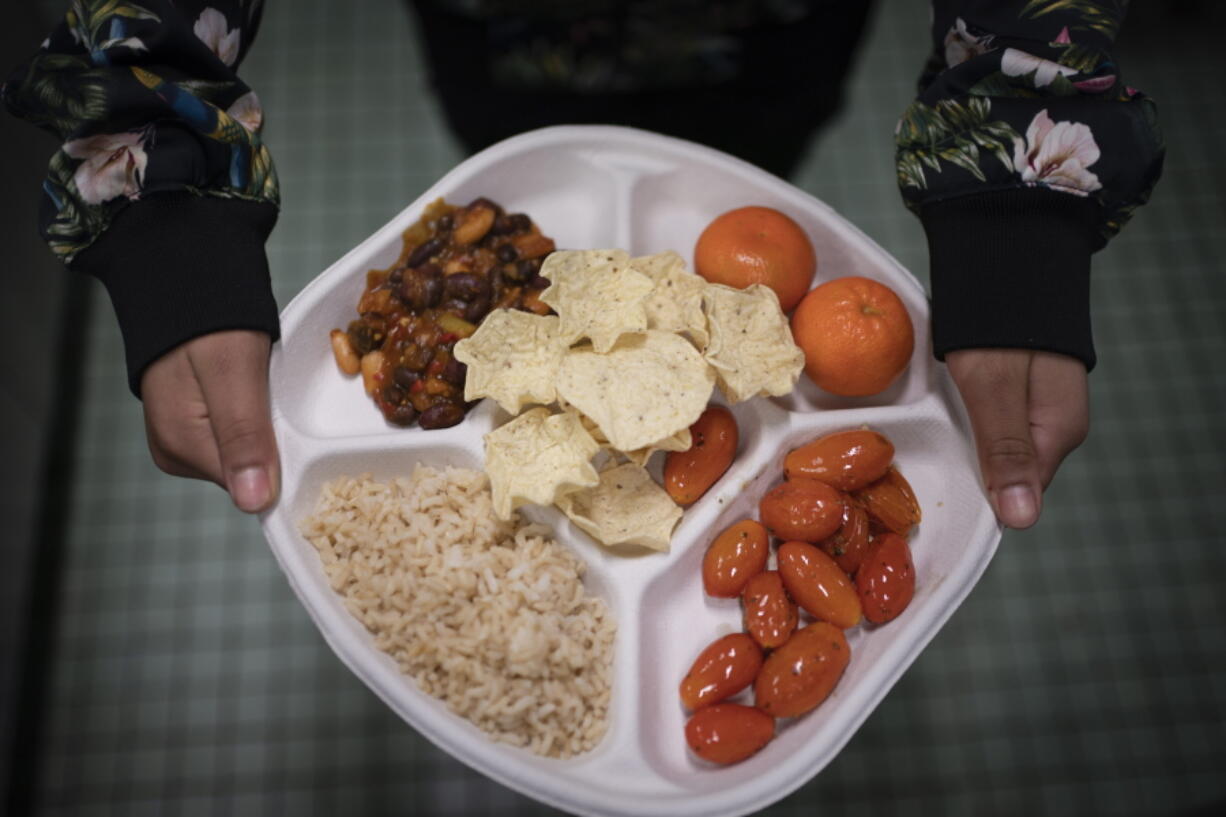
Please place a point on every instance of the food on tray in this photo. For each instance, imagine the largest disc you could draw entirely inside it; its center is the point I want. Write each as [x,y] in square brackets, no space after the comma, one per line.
[627,507]
[632,356]
[538,457]
[646,388]
[457,264]
[690,473]
[757,245]
[734,557]
[856,335]
[490,616]
[802,509]
[890,502]
[847,460]
[751,347]
[725,667]
[770,614]
[843,512]
[818,584]
[728,733]
[886,579]
[598,295]
[802,673]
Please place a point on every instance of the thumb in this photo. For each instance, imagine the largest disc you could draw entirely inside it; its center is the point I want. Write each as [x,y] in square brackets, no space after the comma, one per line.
[232,370]
[994,388]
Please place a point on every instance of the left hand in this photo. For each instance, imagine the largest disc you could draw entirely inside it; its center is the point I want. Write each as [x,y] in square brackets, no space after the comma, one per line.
[1028,411]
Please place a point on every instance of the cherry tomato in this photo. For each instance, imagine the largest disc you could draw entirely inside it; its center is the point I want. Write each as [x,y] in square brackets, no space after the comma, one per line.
[850,542]
[800,675]
[728,733]
[770,616]
[736,556]
[819,585]
[847,460]
[886,579]
[689,474]
[724,668]
[890,502]
[802,509]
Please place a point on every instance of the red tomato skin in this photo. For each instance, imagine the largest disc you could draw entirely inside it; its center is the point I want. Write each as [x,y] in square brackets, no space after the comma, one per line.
[802,509]
[798,676]
[770,615]
[725,667]
[818,585]
[735,556]
[885,581]
[689,474]
[846,460]
[850,543]
[728,733]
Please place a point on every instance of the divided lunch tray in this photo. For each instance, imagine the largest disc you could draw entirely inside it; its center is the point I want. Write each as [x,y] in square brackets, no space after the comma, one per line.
[601,187]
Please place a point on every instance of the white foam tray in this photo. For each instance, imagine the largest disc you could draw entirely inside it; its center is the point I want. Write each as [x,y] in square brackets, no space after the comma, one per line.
[597,187]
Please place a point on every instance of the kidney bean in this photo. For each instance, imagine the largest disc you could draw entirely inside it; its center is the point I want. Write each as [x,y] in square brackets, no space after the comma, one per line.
[454,372]
[466,286]
[393,394]
[404,377]
[477,309]
[402,415]
[396,275]
[361,337]
[520,271]
[441,415]
[539,282]
[507,253]
[423,253]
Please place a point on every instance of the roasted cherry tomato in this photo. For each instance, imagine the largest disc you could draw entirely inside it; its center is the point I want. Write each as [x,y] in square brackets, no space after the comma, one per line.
[886,579]
[802,509]
[770,616]
[890,502]
[728,733]
[850,543]
[723,669]
[736,556]
[818,585]
[800,675]
[689,474]
[847,460]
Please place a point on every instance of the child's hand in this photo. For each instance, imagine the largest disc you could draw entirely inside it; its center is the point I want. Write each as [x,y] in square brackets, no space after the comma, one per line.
[207,415]
[1028,410]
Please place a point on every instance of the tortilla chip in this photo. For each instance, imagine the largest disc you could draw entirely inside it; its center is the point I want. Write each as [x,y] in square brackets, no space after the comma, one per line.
[681,441]
[596,294]
[675,301]
[751,346]
[513,357]
[648,387]
[538,457]
[626,508]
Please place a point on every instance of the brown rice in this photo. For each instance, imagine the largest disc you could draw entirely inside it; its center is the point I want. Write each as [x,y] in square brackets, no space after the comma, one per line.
[489,616]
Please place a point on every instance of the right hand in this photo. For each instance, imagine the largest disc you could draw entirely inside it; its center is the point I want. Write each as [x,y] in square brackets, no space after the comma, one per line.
[207,415]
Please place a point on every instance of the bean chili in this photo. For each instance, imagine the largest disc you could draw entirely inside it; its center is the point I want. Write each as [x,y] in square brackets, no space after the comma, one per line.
[457,264]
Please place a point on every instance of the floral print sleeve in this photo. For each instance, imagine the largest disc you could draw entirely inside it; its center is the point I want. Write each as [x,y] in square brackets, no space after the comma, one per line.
[161,186]
[1023,153]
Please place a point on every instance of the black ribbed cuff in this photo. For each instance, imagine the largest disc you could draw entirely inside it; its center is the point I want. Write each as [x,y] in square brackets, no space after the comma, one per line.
[1011,269]
[178,266]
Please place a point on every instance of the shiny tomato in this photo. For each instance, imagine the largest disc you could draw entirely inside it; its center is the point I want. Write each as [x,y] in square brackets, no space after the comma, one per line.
[818,585]
[770,616]
[802,509]
[734,557]
[891,503]
[847,460]
[724,668]
[728,733]
[886,579]
[850,543]
[800,675]
[689,474]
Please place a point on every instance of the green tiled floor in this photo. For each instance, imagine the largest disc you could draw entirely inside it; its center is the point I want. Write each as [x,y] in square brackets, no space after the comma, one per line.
[1082,677]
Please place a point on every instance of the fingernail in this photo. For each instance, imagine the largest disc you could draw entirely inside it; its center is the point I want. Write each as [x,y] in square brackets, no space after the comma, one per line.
[249,488]
[1017,506]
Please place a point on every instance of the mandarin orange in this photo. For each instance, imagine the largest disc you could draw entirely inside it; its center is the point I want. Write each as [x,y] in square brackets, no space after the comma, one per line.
[856,335]
[757,245]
